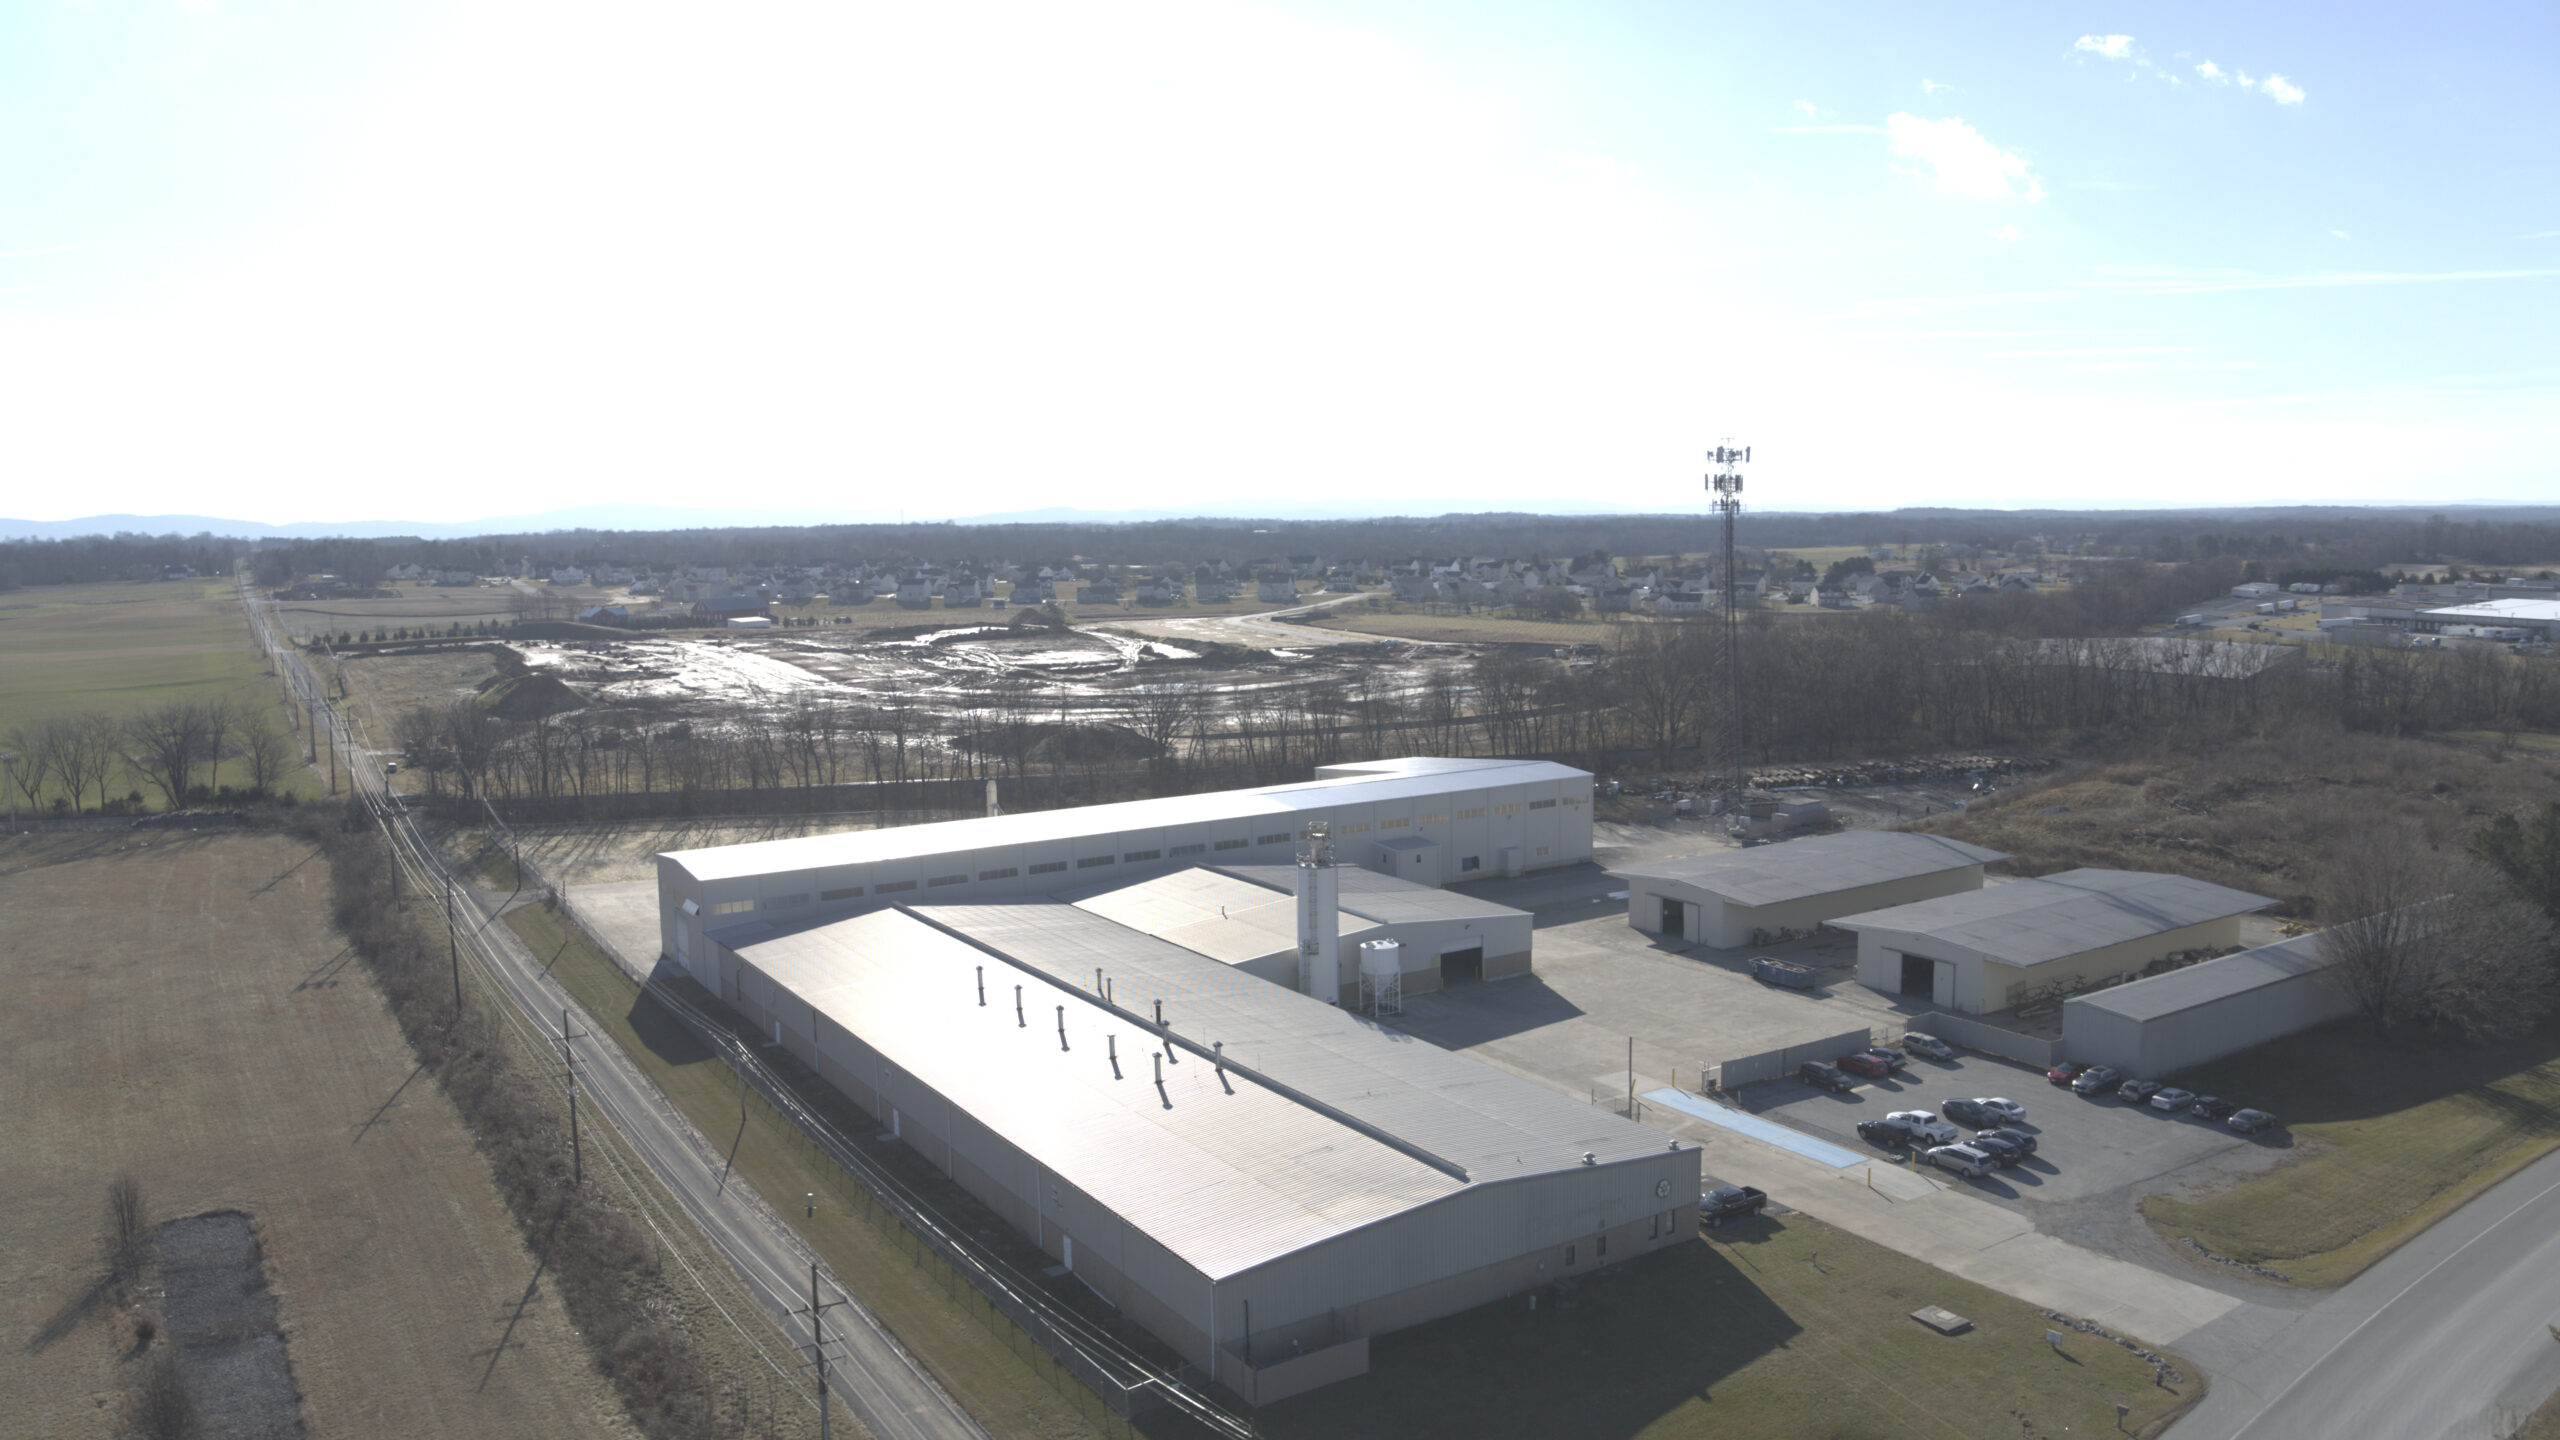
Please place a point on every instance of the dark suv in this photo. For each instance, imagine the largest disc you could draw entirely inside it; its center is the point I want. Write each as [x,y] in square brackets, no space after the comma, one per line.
[1998,1146]
[1825,1077]
[1891,1134]
[1971,1114]
[2096,1080]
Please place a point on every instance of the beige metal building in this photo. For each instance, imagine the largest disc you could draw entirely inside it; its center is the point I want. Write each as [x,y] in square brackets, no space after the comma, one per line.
[1723,897]
[1422,819]
[2164,1024]
[1263,1181]
[1987,949]
[1246,916]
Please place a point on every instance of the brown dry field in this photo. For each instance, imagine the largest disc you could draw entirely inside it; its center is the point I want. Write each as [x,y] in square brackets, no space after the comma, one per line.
[182,1010]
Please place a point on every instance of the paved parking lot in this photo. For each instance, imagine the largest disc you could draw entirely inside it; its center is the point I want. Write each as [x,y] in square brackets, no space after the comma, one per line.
[2085,1145]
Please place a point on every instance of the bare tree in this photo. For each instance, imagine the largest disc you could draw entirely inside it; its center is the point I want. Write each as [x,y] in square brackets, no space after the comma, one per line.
[267,751]
[221,721]
[128,1227]
[37,749]
[166,744]
[2434,939]
[88,751]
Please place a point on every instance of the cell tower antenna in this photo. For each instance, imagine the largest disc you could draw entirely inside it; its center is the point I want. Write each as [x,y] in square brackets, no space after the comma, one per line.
[1725,483]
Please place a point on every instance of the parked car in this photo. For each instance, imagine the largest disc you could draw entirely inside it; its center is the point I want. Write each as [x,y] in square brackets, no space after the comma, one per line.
[2137,1092]
[1928,1047]
[1825,1077]
[2210,1107]
[1971,1114]
[2096,1080]
[2173,1100]
[1999,1147]
[1893,1059]
[2025,1142]
[2250,1122]
[2065,1073]
[2009,1111]
[1961,1159]
[1730,1202]
[1891,1134]
[1924,1126]
[1866,1063]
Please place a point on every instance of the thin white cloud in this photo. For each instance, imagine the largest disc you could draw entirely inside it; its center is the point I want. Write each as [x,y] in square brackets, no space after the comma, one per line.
[1961,161]
[2185,285]
[39,250]
[1807,107]
[2541,235]
[1828,130]
[2243,77]
[2113,47]
[2275,87]
[2281,90]
[2005,232]
[2212,73]
[2340,234]
[1932,87]
[2090,353]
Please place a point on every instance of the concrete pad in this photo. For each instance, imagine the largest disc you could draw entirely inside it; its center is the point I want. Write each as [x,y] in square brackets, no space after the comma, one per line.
[625,917]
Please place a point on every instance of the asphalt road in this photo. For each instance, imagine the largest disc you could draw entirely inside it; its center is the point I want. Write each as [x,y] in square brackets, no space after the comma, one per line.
[872,1375]
[2449,1338]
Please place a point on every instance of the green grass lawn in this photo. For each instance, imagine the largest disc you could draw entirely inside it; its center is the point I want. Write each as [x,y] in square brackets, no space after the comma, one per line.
[122,648]
[1771,1329]
[2394,1137]
[1776,1329]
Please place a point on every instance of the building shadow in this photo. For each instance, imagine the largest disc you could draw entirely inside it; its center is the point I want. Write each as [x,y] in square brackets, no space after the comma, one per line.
[1468,1015]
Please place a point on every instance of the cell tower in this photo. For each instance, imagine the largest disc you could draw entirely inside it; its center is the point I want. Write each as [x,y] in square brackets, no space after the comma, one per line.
[1725,483]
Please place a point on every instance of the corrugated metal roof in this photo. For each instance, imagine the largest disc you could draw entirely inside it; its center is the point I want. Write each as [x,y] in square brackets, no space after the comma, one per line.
[1383,898]
[1407,780]
[2028,922]
[2213,980]
[2496,610]
[1815,865]
[1218,915]
[1228,1175]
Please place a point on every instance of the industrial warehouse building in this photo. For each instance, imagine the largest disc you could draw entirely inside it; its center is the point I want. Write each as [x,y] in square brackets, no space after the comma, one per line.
[1425,820]
[1721,899]
[1262,1180]
[2166,1023]
[1247,917]
[1988,949]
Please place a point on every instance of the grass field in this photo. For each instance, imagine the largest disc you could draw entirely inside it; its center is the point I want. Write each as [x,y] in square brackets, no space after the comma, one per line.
[122,648]
[1485,627]
[1778,1330]
[182,1010]
[1003,1379]
[1773,1329]
[2394,1138]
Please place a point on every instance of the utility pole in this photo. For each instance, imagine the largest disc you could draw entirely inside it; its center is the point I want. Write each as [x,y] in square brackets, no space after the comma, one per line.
[452,947]
[569,1059]
[9,782]
[817,1314]
[1726,484]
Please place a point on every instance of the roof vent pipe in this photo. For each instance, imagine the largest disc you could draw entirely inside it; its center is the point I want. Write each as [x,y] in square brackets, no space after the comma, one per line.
[1017,1008]
[1159,1069]
[1588,1158]
[1062,1027]
[982,985]
[1111,1045]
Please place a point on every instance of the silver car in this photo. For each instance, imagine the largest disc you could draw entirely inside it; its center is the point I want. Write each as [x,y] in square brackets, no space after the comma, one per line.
[1963,1160]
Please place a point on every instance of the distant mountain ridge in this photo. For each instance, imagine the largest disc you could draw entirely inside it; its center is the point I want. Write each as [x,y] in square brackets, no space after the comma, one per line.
[626,517]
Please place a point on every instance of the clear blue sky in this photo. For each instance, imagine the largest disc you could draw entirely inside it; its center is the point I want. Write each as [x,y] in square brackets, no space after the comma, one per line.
[288,261]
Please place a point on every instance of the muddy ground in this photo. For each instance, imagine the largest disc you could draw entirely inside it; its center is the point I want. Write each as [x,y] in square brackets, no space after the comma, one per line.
[181,1010]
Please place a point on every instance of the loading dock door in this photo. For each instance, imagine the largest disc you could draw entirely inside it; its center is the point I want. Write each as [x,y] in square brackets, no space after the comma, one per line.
[1674,918]
[1919,975]
[1462,965]
[1942,989]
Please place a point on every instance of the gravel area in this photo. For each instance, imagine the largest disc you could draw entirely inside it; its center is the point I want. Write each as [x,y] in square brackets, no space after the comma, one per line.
[222,1324]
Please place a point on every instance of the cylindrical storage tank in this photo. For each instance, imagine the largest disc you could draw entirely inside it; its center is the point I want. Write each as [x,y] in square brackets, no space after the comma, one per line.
[1324,976]
[1381,959]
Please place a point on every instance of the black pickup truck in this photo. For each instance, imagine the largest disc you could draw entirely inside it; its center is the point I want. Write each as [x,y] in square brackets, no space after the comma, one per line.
[1730,1202]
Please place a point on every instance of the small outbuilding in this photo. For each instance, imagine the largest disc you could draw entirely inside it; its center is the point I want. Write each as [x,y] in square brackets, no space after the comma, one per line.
[2007,944]
[2167,1023]
[1722,898]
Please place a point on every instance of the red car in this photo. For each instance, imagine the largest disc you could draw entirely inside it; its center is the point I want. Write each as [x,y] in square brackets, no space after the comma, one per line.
[1867,1063]
[2065,1073]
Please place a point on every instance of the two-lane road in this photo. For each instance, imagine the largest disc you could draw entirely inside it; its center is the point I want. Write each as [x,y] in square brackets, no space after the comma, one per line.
[2449,1338]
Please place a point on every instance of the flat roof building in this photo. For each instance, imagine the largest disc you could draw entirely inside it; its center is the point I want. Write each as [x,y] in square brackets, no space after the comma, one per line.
[1728,897]
[1263,1181]
[2004,945]
[1423,819]
[2167,1023]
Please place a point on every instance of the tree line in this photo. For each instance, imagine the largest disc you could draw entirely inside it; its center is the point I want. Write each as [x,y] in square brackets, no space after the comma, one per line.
[75,764]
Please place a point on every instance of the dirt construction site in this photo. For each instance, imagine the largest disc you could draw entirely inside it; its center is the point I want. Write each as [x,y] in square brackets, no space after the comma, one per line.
[182,1012]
